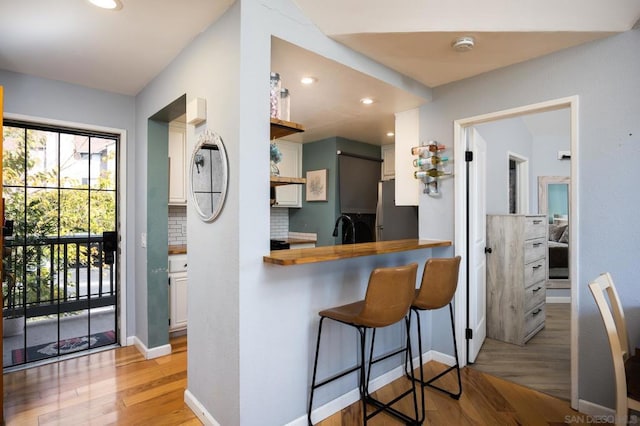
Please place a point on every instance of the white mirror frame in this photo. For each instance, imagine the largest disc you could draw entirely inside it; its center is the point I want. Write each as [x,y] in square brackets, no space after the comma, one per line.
[211,139]
[543,208]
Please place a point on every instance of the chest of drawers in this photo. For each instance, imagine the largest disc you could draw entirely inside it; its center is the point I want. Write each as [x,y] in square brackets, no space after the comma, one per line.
[516,276]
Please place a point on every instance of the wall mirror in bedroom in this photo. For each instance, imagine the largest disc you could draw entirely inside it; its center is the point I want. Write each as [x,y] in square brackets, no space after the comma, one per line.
[554,201]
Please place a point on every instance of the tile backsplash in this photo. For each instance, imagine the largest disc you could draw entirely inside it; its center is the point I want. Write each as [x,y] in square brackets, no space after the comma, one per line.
[178,225]
[279,223]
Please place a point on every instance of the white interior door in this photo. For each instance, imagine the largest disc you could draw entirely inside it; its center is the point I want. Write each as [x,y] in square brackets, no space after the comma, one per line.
[477,242]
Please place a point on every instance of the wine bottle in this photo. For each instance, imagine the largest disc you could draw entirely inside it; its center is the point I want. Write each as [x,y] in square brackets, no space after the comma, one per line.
[430,147]
[429,173]
[434,159]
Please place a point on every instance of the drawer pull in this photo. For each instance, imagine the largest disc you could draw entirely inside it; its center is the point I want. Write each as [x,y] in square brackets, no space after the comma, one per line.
[537,221]
[536,312]
[537,266]
[535,290]
[537,244]
[185,265]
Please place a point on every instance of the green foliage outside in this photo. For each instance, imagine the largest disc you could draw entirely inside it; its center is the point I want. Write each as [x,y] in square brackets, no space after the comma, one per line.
[55,206]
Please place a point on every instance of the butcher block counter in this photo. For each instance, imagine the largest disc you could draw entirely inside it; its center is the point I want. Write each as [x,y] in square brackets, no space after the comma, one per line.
[178,249]
[347,251]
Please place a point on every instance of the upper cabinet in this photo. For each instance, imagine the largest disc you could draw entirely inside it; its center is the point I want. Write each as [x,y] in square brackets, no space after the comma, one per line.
[388,162]
[177,164]
[287,193]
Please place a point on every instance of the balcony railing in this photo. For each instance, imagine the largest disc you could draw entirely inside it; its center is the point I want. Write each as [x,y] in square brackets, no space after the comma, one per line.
[54,275]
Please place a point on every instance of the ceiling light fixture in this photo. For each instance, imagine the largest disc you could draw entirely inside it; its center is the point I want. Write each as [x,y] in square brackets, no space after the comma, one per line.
[308,80]
[463,44]
[390,134]
[107,4]
[366,101]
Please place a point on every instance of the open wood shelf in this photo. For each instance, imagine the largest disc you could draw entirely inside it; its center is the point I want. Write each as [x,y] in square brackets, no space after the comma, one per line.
[279,180]
[282,128]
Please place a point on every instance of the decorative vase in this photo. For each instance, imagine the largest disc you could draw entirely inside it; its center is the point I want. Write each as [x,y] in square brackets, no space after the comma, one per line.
[274,169]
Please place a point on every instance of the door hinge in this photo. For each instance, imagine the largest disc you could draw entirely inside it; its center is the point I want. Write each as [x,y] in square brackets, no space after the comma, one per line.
[169,321]
[468,333]
[468,156]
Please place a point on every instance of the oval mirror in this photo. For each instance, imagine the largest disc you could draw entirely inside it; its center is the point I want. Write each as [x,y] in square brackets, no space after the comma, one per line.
[209,175]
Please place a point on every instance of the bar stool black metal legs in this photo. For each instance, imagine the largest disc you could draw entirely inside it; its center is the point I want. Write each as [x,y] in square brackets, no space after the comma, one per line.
[439,283]
[387,301]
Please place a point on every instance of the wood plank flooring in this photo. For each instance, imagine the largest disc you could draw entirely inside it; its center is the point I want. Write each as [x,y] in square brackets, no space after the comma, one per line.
[485,400]
[111,387]
[121,387]
[543,364]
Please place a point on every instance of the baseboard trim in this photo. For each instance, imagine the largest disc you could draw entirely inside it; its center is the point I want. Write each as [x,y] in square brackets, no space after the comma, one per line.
[131,340]
[199,410]
[590,412]
[152,353]
[352,396]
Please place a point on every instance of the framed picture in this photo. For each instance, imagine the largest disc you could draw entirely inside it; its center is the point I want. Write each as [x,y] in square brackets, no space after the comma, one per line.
[317,185]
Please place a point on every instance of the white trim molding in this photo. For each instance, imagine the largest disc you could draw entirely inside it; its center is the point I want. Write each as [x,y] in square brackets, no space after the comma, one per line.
[460,128]
[151,353]
[199,410]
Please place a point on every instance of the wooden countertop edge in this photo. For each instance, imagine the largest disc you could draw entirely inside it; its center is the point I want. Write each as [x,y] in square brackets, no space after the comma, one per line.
[178,249]
[348,251]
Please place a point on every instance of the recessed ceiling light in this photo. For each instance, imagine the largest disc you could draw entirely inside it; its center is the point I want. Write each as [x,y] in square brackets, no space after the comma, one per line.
[366,101]
[107,4]
[390,134]
[463,44]
[308,80]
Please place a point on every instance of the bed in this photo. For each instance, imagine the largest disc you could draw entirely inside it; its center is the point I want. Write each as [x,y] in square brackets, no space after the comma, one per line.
[558,249]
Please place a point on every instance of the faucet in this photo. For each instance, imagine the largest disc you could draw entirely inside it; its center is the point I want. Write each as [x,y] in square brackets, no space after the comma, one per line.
[345,218]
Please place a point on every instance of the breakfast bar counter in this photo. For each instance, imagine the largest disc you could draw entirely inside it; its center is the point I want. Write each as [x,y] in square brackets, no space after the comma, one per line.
[347,251]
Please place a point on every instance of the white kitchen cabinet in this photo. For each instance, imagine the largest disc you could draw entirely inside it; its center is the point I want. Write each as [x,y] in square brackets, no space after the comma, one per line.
[178,284]
[290,166]
[388,161]
[177,164]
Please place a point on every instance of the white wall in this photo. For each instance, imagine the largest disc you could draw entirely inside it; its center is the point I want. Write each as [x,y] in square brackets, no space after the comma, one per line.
[604,75]
[504,137]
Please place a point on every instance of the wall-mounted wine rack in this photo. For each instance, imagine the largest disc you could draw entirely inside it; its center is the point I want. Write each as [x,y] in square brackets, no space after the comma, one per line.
[430,164]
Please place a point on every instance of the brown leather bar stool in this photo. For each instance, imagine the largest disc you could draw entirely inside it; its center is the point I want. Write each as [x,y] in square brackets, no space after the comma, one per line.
[439,283]
[387,301]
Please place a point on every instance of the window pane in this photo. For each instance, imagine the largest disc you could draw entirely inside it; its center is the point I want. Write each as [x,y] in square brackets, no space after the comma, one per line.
[13,156]
[42,158]
[103,163]
[42,213]
[74,218]
[74,161]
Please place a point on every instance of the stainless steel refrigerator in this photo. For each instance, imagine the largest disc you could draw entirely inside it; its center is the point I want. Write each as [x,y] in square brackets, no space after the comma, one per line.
[394,222]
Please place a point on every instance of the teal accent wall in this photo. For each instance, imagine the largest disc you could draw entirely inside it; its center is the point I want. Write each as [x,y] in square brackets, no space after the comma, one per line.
[157,242]
[558,200]
[319,216]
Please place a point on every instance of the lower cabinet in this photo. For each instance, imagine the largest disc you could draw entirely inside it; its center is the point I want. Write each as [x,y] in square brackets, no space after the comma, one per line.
[177,293]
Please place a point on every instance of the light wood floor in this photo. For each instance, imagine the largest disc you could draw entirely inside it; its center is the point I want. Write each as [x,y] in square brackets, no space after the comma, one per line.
[543,364]
[121,387]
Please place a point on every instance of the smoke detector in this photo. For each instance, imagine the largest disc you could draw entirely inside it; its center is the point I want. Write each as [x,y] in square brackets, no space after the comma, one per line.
[463,44]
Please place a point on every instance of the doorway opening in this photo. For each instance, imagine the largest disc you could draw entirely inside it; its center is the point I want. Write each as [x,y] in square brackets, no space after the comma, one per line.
[61,261]
[518,184]
[473,300]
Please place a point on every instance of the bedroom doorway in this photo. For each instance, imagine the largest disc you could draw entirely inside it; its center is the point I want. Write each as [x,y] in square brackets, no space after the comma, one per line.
[468,300]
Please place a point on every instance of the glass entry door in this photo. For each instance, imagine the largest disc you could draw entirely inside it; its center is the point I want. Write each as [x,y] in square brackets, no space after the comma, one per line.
[60,287]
